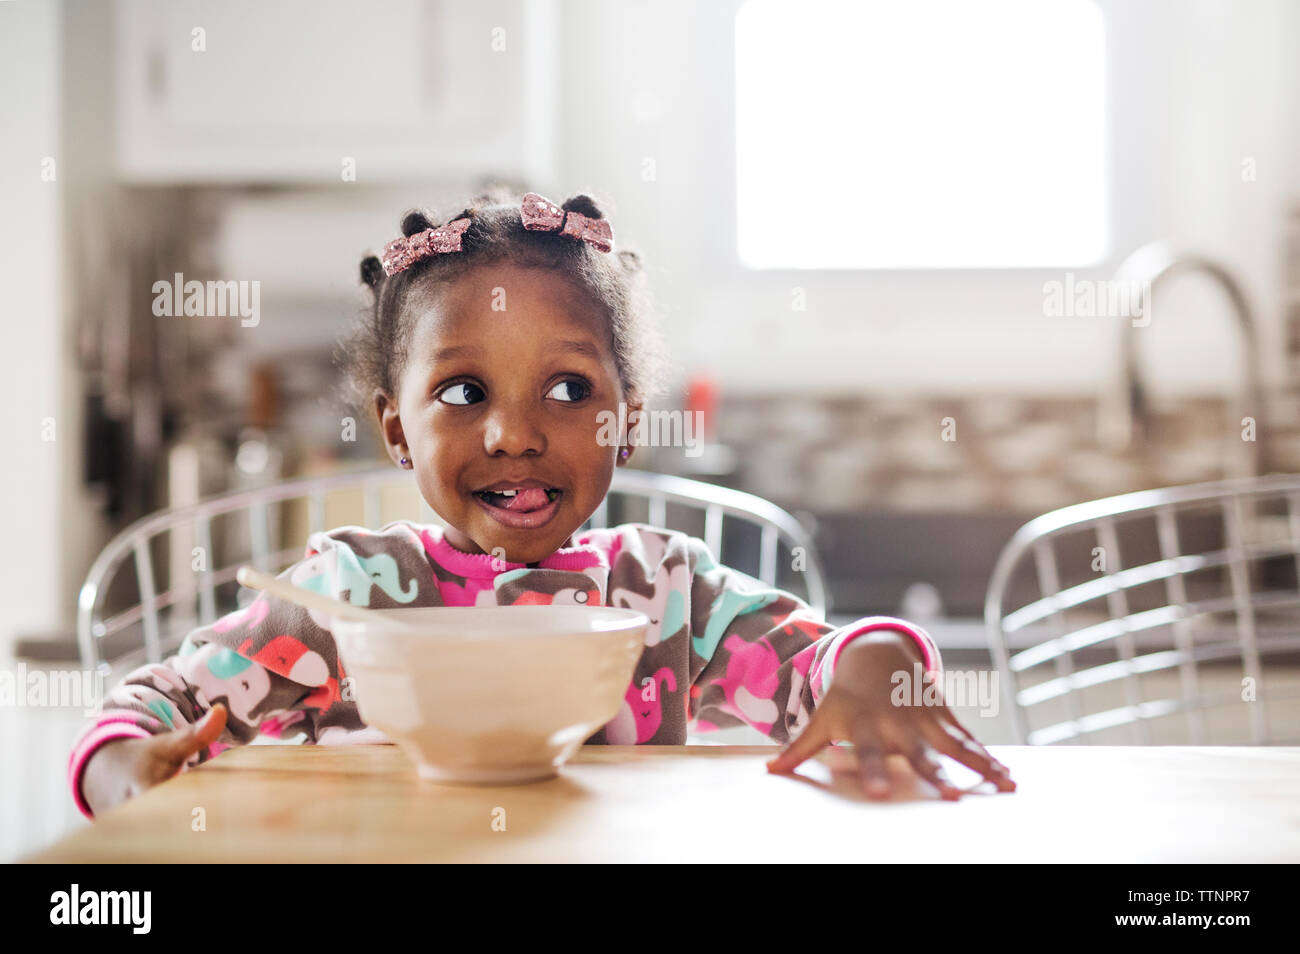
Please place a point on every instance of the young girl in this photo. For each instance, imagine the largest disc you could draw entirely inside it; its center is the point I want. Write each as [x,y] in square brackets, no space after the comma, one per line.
[495,342]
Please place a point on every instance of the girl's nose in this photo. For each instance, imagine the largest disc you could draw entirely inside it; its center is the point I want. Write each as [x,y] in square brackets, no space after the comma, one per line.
[513,432]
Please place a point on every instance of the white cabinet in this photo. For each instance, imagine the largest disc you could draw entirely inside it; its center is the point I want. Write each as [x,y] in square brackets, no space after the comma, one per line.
[249,90]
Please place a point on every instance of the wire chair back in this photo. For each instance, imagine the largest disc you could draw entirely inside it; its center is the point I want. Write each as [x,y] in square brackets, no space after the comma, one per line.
[181,582]
[1165,616]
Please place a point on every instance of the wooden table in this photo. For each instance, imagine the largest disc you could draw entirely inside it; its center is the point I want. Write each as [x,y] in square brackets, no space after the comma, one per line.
[710,803]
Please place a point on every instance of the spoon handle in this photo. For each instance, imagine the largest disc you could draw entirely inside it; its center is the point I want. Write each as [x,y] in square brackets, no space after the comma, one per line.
[257,580]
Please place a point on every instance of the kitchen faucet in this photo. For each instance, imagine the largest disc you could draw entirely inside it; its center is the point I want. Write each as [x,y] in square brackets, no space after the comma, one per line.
[1124,413]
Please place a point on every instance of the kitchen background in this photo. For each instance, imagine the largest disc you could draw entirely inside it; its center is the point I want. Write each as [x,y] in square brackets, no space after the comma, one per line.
[290,143]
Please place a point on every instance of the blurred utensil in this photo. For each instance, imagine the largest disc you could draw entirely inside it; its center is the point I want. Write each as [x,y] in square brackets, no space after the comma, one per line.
[255,579]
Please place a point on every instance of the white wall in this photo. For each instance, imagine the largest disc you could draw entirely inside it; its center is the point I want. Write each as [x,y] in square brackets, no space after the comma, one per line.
[31,332]
[89,191]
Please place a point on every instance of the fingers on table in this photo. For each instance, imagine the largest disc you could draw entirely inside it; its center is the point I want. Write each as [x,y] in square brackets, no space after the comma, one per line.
[970,753]
[929,769]
[198,735]
[871,765]
[809,743]
[979,746]
[875,776]
[871,768]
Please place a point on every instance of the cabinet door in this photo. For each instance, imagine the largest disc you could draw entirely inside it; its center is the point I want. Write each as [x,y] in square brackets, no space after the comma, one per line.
[246,89]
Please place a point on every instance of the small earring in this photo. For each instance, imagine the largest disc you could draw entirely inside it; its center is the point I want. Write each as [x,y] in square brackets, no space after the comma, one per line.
[623,453]
[403,461]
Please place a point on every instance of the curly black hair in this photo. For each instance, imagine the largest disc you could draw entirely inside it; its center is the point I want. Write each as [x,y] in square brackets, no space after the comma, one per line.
[373,352]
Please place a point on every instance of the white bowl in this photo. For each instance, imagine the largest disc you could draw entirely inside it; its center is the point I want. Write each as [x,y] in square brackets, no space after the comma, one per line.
[492,694]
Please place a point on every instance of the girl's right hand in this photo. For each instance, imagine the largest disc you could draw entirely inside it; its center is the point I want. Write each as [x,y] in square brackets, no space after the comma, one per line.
[123,768]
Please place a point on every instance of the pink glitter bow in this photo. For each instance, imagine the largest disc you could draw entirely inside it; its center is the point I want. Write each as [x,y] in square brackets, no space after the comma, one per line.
[542,215]
[402,253]
[538,214]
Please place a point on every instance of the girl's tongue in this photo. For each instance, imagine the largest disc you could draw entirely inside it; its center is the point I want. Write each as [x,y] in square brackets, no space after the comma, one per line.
[525,501]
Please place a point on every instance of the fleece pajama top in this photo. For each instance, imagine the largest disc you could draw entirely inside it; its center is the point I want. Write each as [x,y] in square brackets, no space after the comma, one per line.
[722,648]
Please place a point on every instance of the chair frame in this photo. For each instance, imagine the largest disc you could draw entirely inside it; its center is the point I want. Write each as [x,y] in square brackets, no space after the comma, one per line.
[1238,500]
[659,490]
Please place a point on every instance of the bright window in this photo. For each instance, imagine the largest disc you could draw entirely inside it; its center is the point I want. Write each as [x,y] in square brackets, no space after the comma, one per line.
[920,134]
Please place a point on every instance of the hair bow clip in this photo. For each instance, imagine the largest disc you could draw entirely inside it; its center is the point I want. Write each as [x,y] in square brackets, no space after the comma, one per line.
[542,215]
[402,253]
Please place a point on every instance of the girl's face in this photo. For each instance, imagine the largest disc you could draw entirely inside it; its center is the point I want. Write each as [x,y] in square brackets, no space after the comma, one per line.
[505,381]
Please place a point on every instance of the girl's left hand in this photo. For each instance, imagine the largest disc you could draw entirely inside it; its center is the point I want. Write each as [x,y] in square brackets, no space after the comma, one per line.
[857,708]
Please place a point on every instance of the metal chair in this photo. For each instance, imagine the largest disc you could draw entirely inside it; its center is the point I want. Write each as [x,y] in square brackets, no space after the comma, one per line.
[191,593]
[1156,617]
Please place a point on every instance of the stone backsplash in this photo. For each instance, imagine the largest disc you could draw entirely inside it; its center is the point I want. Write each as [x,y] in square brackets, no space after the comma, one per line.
[1005,454]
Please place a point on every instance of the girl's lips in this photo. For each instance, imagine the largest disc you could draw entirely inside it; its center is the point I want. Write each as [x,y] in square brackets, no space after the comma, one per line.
[521,521]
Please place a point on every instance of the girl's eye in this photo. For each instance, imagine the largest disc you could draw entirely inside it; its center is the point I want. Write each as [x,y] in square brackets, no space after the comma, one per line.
[457,395]
[565,390]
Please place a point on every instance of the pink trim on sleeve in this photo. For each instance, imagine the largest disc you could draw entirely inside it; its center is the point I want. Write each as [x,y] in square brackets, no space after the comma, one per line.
[870,624]
[101,734]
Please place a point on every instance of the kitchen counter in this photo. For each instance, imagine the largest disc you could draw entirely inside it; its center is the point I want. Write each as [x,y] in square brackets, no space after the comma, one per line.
[321,804]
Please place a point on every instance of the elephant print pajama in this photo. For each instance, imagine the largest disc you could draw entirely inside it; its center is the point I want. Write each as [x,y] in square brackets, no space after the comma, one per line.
[722,648]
